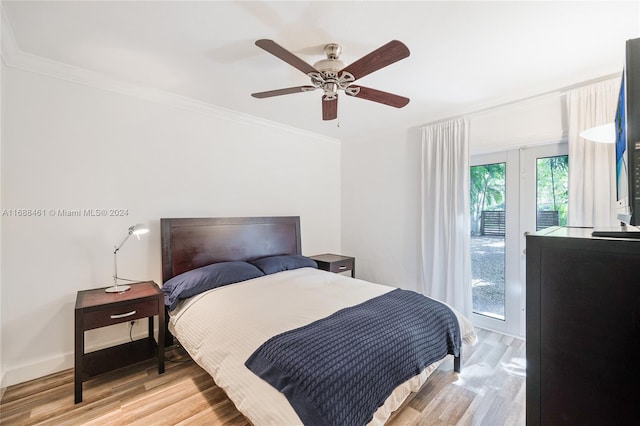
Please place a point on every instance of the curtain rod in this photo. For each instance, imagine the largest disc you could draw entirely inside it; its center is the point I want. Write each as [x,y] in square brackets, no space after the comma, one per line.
[561,91]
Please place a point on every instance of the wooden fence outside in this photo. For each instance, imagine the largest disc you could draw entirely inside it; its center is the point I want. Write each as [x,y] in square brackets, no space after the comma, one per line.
[492,221]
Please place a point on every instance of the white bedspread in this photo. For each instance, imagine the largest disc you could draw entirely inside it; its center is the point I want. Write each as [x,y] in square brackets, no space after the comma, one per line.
[222,327]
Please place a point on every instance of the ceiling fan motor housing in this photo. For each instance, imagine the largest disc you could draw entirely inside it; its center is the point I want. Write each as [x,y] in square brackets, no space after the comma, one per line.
[332,63]
[327,77]
[329,65]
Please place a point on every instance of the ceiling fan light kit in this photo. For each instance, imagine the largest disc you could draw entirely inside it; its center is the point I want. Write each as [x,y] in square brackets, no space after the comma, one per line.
[332,75]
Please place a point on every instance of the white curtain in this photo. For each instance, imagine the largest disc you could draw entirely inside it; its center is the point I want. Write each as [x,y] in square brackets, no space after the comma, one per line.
[592,185]
[445,233]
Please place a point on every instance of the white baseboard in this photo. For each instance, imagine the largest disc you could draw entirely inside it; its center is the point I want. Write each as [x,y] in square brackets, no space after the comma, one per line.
[35,370]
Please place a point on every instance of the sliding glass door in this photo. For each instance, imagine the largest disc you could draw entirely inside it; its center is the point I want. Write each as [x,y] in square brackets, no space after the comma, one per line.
[511,193]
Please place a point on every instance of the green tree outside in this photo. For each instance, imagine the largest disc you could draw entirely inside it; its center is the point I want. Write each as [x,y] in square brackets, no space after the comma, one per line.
[488,188]
[487,191]
[553,185]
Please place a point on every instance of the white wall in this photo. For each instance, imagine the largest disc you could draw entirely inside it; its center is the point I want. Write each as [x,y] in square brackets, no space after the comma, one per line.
[71,146]
[540,120]
[381,185]
[380,207]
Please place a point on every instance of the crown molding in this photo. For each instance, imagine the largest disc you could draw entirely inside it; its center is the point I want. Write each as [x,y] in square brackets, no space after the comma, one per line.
[14,57]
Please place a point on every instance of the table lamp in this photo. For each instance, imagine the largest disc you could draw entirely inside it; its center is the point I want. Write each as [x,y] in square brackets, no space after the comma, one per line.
[136,230]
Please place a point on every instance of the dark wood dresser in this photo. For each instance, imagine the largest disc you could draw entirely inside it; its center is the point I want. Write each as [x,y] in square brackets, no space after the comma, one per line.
[583,328]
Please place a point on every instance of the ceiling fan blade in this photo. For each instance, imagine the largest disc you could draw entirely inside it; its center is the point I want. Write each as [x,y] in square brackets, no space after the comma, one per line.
[379,58]
[287,91]
[329,108]
[377,96]
[276,50]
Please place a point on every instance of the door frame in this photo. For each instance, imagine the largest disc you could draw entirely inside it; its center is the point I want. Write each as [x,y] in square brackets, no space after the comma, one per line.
[528,205]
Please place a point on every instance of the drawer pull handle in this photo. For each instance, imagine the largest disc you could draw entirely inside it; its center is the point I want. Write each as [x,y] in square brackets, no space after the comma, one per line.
[128,314]
[343,267]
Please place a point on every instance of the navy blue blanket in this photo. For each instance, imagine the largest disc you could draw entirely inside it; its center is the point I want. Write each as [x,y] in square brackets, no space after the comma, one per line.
[340,369]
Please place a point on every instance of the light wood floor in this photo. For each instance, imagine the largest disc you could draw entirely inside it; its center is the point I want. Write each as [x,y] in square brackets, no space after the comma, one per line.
[489,391]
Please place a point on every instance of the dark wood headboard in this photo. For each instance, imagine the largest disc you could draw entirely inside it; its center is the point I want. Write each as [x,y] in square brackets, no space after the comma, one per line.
[189,243]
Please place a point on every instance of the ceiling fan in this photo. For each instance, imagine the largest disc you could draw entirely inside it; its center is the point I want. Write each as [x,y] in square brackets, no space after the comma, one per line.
[332,74]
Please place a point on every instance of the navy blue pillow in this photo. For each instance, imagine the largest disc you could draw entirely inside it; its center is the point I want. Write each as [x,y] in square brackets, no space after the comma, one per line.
[273,264]
[205,278]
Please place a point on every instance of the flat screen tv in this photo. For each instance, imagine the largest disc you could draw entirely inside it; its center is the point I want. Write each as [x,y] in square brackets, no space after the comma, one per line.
[627,122]
[622,169]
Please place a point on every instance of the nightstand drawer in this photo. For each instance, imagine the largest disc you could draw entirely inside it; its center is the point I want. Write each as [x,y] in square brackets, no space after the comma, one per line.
[341,266]
[121,313]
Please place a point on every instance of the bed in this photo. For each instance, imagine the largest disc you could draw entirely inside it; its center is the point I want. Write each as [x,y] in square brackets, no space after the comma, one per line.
[224,328]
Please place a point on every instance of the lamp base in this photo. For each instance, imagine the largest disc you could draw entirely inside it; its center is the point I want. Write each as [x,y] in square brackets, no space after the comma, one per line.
[118,289]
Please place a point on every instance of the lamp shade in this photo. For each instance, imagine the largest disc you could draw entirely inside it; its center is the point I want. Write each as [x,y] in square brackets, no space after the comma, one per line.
[602,134]
[138,229]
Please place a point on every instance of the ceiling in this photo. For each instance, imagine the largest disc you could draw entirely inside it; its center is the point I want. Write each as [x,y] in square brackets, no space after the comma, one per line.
[465,56]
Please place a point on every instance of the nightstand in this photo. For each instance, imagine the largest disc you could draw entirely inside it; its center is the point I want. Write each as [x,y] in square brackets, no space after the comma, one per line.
[336,263]
[95,309]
